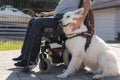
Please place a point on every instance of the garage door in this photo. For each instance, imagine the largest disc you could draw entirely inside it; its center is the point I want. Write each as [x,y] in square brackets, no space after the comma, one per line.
[105,23]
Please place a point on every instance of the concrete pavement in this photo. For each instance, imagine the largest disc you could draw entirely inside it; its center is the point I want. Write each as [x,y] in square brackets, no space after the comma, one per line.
[9,72]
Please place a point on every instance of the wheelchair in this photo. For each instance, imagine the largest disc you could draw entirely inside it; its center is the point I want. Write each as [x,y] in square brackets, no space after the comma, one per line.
[52,50]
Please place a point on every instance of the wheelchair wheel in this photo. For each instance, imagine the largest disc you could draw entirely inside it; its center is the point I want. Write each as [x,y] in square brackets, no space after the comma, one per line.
[66,57]
[45,66]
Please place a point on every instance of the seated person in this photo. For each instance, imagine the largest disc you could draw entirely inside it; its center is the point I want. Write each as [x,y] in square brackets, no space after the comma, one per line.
[37,25]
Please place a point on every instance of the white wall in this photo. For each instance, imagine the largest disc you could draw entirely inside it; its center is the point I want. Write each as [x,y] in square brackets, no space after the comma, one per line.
[117,22]
[105,23]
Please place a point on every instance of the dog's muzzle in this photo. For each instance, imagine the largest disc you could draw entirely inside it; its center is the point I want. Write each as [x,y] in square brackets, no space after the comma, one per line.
[60,24]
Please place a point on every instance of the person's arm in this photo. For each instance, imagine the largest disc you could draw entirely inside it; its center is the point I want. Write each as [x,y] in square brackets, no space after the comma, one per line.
[46,14]
[87,6]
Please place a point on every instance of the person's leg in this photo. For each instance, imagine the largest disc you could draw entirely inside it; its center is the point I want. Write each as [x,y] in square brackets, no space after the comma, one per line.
[32,42]
[26,36]
[19,58]
[34,37]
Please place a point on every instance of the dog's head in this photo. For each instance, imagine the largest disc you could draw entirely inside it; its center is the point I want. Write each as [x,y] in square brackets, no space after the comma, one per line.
[69,16]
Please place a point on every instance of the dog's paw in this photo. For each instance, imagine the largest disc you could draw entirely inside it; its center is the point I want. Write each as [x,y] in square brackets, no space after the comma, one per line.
[97,77]
[61,76]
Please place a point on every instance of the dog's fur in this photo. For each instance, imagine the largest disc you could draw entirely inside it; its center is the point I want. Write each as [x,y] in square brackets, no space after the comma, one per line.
[99,57]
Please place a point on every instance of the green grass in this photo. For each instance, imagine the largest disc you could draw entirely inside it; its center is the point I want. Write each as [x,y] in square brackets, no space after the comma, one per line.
[116,41]
[10,45]
[14,45]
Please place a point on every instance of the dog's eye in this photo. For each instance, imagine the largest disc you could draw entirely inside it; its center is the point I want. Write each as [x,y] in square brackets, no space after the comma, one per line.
[68,16]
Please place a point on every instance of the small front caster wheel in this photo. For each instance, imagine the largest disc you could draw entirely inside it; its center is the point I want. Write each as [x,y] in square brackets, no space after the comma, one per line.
[45,66]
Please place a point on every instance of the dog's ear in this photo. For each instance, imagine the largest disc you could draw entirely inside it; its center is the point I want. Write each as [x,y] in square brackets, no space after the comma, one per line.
[79,11]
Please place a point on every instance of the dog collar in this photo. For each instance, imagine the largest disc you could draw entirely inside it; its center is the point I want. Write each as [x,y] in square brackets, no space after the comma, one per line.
[82,34]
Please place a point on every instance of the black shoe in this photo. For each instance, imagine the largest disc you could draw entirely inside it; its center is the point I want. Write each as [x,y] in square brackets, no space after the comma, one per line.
[18,58]
[24,63]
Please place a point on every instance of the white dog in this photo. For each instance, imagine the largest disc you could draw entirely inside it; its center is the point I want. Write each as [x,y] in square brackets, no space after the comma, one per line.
[98,57]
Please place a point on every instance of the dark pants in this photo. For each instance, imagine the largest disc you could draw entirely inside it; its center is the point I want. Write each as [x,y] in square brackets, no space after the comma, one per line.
[32,41]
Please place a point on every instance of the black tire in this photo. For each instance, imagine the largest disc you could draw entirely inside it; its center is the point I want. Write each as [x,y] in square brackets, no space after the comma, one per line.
[45,66]
[66,57]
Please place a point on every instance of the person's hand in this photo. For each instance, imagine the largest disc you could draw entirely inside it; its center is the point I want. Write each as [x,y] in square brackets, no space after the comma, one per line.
[42,14]
[78,22]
